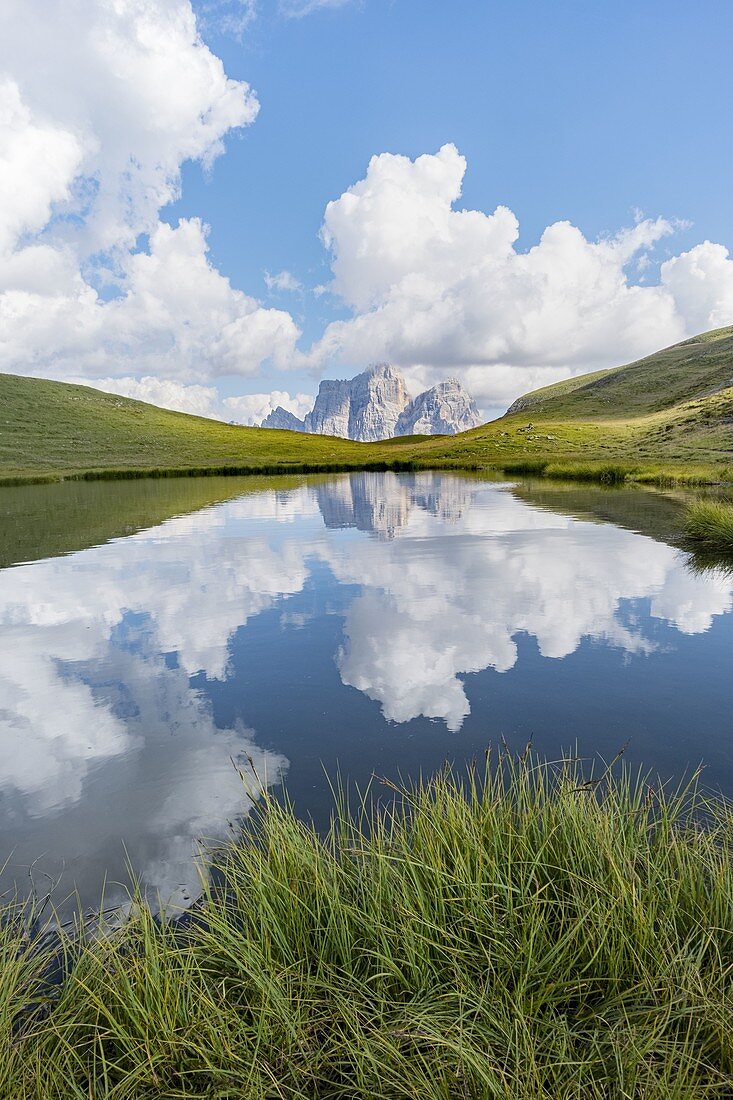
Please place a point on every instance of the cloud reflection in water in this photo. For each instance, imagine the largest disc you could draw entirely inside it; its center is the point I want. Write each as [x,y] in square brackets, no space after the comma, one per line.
[100,721]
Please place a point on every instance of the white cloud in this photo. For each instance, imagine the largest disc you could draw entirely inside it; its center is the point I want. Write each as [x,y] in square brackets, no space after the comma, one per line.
[132,85]
[254,407]
[100,106]
[701,283]
[283,281]
[178,316]
[38,162]
[167,394]
[433,288]
[250,409]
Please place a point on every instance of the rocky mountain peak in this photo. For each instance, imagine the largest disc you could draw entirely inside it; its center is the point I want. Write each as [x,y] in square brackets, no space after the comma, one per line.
[376,405]
[283,418]
[330,413]
[444,409]
[378,397]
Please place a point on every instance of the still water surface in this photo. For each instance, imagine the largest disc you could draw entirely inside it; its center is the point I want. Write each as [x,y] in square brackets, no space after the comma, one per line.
[367,623]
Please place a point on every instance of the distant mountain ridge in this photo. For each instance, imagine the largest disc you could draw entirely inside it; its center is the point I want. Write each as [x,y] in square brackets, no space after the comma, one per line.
[376,405]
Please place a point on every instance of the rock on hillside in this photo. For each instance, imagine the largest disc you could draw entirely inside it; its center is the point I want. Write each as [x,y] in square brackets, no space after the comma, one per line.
[282,418]
[376,405]
[444,409]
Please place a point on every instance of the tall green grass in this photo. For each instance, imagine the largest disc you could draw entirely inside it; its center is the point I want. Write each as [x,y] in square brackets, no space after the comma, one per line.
[711,522]
[518,932]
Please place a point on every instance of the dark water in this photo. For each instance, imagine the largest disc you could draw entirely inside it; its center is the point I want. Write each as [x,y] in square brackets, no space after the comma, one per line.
[364,623]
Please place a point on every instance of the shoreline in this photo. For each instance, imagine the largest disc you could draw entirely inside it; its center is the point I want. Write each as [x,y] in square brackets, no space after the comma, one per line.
[598,471]
[528,928]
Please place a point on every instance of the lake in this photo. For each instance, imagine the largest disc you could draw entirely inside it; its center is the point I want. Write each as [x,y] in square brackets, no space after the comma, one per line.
[159,640]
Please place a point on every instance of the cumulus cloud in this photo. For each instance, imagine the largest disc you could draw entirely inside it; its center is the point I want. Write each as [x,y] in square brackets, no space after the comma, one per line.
[39,161]
[100,106]
[249,409]
[199,400]
[701,283]
[436,288]
[133,86]
[283,281]
[177,317]
[254,407]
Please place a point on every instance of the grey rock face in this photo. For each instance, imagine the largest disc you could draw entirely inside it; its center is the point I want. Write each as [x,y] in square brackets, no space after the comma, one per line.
[281,418]
[330,414]
[365,408]
[442,410]
[376,405]
[378,397]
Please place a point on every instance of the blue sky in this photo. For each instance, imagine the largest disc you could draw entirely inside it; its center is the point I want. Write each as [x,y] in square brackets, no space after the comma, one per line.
[572,109]
[567,109]
[600,114]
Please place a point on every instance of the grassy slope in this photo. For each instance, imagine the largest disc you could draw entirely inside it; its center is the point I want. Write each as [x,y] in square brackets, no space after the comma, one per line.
[671,413]
[682,373]
[52,427]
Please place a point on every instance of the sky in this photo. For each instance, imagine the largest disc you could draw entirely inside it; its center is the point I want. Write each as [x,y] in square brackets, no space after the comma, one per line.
[213,205]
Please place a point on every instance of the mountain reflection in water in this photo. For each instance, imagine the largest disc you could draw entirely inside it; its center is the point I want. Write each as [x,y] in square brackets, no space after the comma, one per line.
[135,672]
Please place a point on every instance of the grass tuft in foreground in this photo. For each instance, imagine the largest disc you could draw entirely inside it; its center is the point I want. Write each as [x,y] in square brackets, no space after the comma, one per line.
[519,933]
[711,521]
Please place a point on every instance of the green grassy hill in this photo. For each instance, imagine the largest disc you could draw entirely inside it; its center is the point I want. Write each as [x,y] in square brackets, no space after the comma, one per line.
[55,428]
[669,416]
[695,369]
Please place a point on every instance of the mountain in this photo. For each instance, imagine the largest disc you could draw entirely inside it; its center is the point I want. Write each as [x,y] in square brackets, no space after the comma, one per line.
[375,405]
[282,418]
[330,413]
[366,408]
[446,409]
[378,396]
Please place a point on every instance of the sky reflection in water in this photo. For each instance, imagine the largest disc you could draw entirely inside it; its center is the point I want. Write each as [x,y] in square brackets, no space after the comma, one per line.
[326,625]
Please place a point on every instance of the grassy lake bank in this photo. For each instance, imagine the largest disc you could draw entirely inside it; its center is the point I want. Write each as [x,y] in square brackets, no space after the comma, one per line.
[710,522]
[517,932]
[54,431]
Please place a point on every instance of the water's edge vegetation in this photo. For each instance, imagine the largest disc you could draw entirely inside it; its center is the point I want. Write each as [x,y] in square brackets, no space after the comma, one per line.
[711,523]
[520,930]
[603,473]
